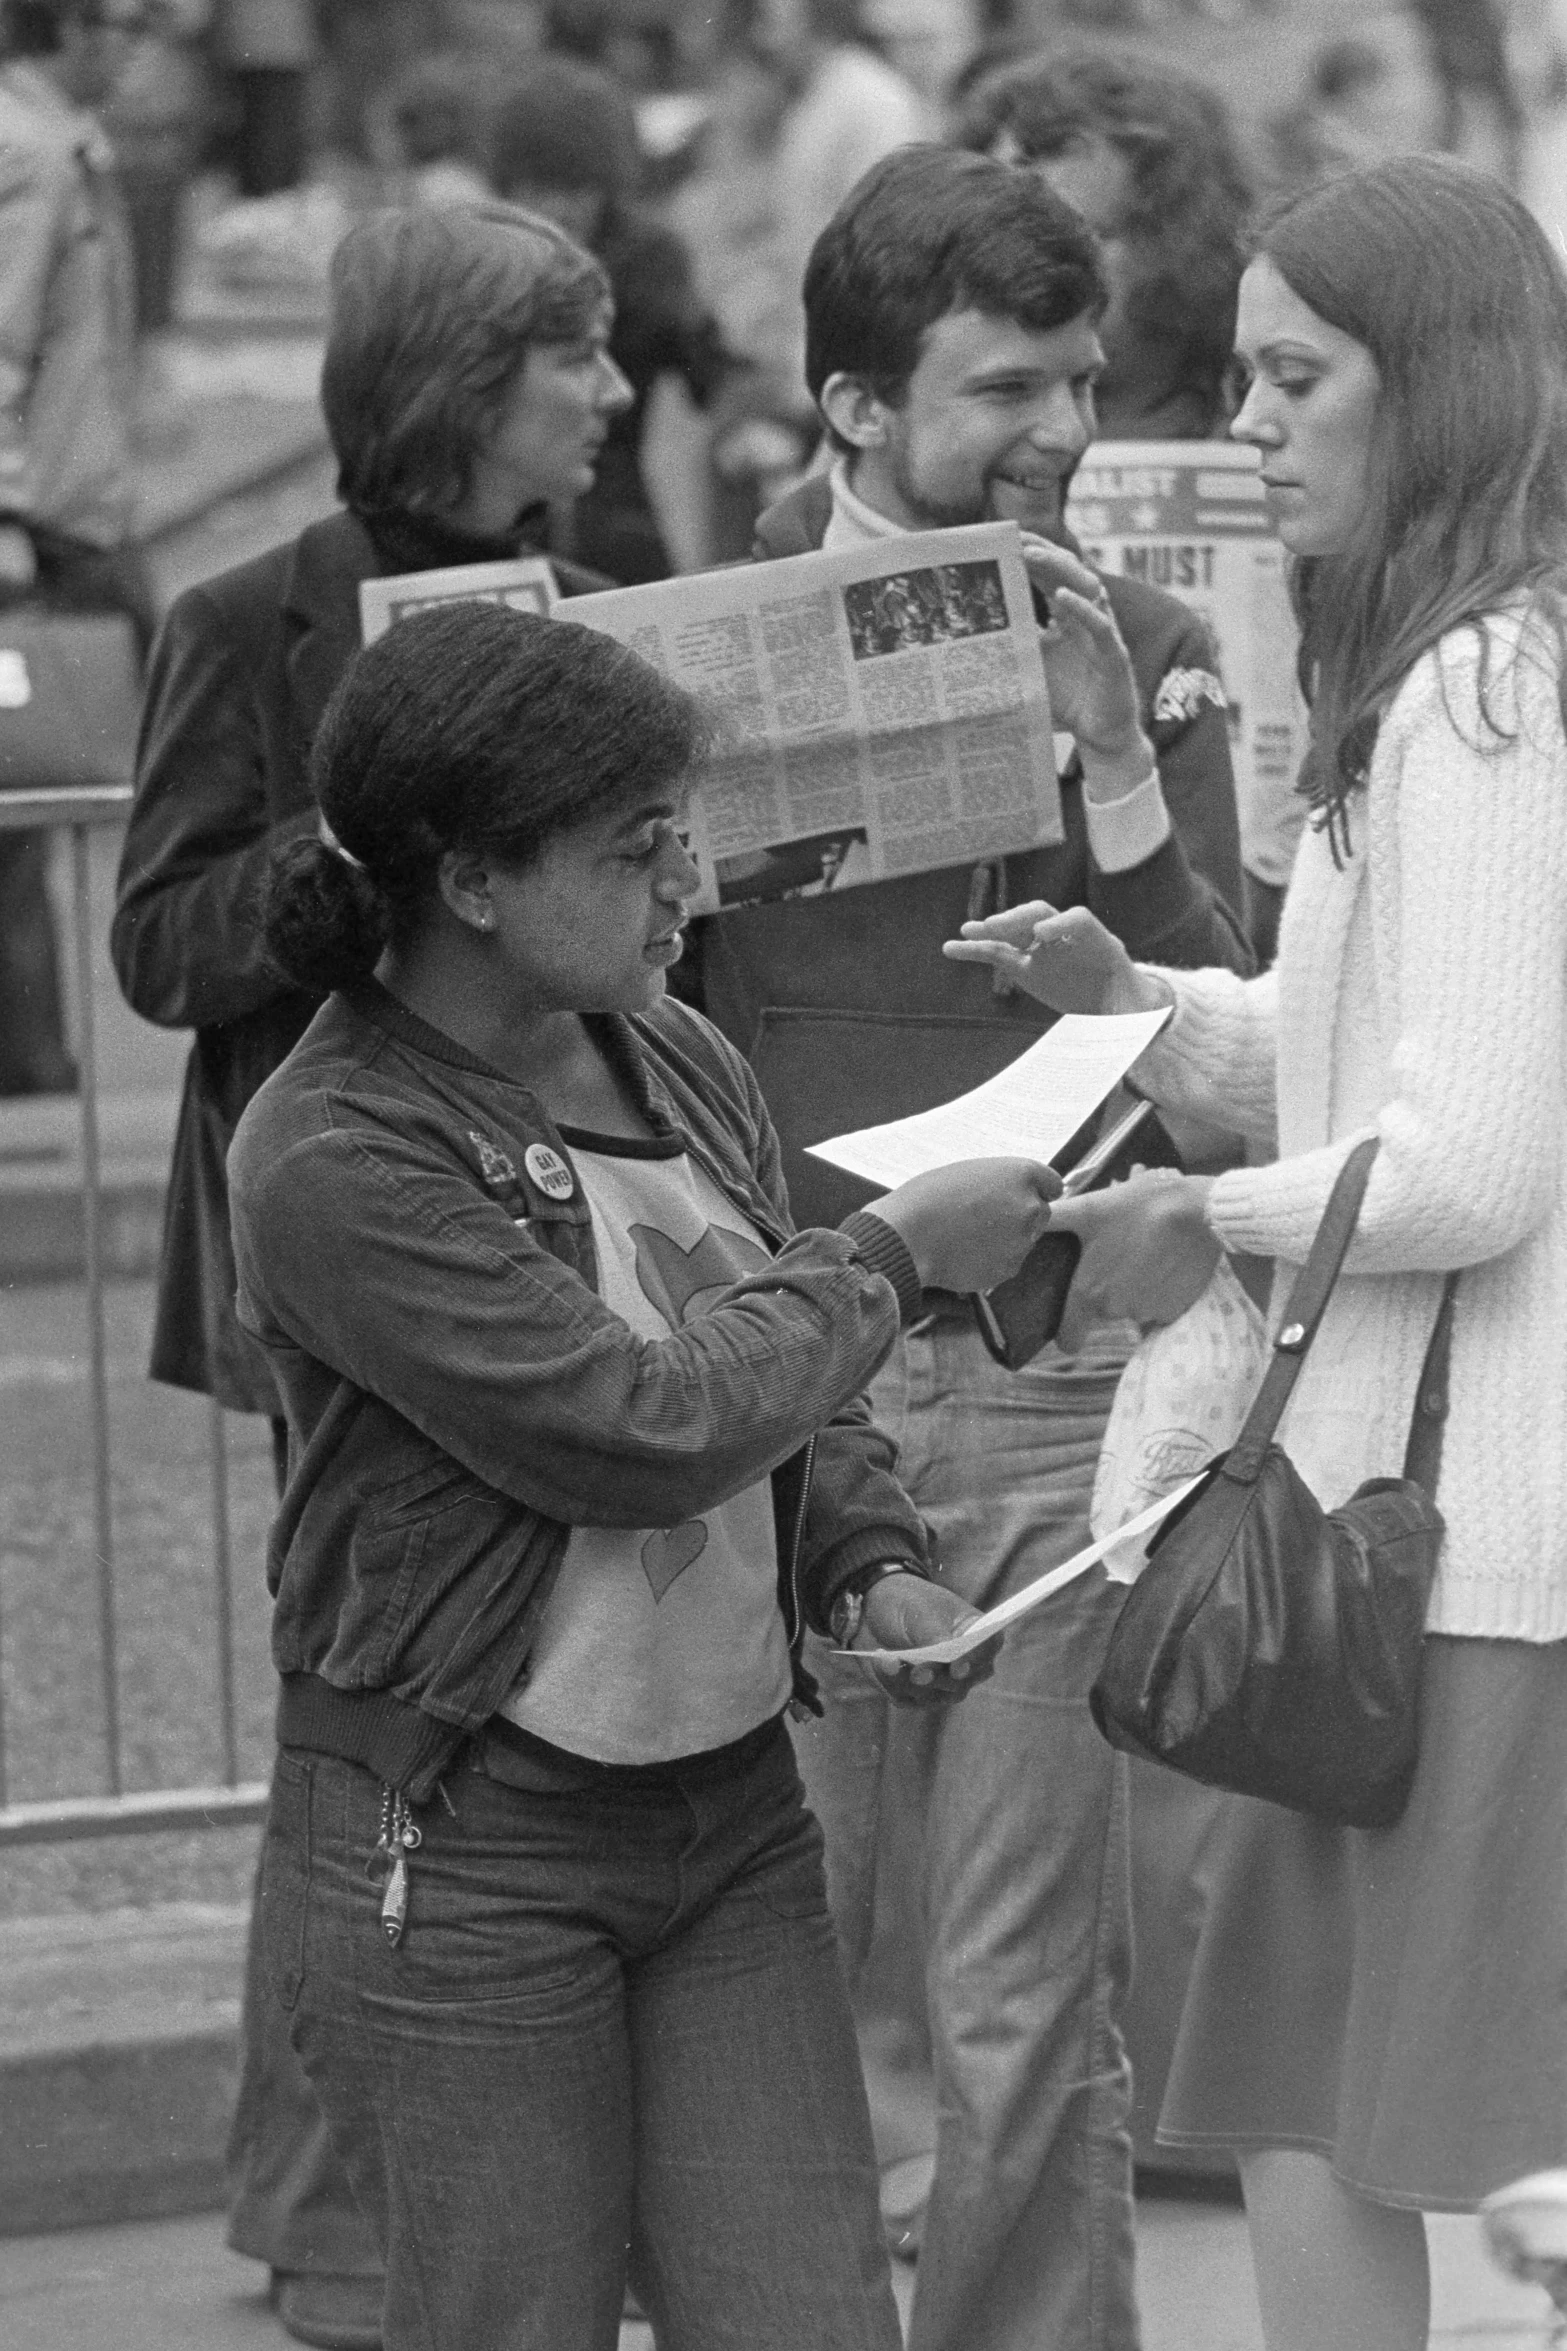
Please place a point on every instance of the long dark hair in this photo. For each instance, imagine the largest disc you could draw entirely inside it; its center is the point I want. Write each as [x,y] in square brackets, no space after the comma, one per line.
[468,726]
[1454,290]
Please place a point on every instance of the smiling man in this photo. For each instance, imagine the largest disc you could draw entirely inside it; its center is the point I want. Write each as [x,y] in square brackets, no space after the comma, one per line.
[952,308]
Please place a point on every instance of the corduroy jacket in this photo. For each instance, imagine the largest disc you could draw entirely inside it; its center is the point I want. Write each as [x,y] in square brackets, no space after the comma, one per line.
[459,1396]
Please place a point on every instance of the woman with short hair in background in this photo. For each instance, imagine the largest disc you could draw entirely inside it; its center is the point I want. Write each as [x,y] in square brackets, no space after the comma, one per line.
[467,383]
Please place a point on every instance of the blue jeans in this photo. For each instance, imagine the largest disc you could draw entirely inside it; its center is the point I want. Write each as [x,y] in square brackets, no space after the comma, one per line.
[613,2041]
[1023,1812]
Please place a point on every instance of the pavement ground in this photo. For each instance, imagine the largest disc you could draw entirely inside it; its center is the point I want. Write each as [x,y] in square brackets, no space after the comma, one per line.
[174,2286]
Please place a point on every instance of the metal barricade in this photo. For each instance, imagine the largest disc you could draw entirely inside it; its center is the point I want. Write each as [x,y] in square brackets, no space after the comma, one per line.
[116,1812]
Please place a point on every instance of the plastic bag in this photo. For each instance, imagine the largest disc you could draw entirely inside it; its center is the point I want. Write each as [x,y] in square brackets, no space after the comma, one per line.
[1182,1398]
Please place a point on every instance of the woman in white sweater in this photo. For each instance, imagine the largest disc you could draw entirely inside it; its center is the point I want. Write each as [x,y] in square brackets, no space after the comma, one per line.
[1377,2022]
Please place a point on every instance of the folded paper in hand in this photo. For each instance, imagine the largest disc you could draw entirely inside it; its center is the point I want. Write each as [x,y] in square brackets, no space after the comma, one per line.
[1030,1110]
[1124,1555]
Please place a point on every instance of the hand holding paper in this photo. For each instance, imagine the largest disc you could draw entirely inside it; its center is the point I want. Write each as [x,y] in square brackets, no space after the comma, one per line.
[1148,1252]
[904,1617]
[1124,1556]
[1031,1110]
[967,1224]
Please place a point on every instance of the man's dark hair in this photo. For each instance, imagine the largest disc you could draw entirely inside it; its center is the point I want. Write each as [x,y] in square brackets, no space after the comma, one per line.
[927,231]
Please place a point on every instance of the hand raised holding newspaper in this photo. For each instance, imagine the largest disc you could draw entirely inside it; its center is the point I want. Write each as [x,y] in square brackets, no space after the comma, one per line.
[1068,961]
[967,1226]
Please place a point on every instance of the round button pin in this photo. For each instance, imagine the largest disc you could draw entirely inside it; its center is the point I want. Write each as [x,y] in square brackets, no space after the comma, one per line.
[549,1171]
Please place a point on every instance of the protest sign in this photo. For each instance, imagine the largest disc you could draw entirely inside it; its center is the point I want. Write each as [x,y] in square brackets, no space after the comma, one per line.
[1190,517]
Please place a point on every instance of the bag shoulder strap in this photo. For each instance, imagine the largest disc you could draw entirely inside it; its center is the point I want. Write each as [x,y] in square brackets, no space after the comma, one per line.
[1303,1312]
[1423,1454]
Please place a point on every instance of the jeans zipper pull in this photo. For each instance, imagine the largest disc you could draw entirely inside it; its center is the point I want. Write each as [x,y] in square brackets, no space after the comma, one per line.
[394,1902]
[400,1836]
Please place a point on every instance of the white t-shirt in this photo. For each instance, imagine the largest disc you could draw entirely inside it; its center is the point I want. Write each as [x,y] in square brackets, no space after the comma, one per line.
[661,1641]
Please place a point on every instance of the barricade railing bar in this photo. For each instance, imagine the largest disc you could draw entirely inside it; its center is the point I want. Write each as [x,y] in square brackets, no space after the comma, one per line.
[79,812]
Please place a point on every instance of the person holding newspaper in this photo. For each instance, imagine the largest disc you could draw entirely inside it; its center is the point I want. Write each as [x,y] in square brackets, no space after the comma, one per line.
[1375,2017]
[577,1449]
[467,381]
[951,310]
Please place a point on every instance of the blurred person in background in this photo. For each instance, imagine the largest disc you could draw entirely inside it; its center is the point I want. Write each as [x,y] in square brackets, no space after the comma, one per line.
[638,42]
[1481,117]
[804,105]
[563,142]
[262,52]
[366,44]
[928,42]
[67,384]
[158,118]
[1352,112]
[467,383]
[437,112]
[1148,157]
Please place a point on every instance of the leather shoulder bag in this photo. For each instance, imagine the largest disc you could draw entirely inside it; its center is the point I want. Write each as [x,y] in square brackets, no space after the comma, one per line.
[1271,1647]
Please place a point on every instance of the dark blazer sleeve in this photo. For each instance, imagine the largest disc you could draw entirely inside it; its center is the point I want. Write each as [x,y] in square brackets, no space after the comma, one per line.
[208,811]
[1183,905]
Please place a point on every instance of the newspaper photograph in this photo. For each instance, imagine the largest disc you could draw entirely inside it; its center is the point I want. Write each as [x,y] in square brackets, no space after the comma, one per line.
[879,711]
[1190,517]
[525,582]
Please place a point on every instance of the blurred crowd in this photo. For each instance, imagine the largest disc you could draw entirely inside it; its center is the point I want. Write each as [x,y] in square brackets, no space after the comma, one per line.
[697,152]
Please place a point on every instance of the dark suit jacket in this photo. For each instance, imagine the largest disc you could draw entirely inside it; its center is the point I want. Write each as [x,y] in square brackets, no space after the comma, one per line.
[241,673]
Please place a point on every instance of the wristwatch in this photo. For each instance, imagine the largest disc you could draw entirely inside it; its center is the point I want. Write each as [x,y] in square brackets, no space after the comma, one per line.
[848,1608]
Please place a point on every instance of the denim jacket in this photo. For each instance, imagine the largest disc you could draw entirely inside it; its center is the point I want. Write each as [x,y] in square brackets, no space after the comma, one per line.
[458,1395]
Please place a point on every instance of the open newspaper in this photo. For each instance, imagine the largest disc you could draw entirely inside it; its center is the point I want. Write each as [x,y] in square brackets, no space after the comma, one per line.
[878,712]
[1190,517]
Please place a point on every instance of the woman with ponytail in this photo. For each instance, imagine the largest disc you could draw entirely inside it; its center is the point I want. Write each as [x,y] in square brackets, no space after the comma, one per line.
[467,382]
[1375,2018]
[577,1451]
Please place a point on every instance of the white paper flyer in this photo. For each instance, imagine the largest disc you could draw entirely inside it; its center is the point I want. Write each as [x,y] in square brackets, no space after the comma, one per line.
[1030,1110]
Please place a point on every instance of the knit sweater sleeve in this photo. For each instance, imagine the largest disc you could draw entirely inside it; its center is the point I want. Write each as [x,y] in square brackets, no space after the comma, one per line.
[1216,1059]
[1467,836]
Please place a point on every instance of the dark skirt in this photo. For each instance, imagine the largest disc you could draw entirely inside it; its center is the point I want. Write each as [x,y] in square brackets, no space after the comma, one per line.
[1396,1999]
